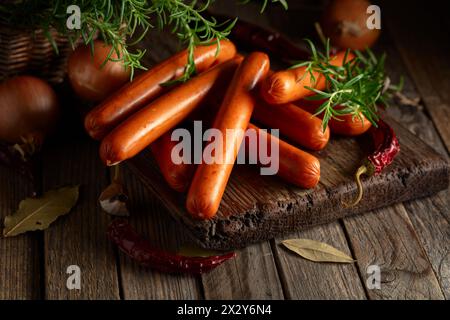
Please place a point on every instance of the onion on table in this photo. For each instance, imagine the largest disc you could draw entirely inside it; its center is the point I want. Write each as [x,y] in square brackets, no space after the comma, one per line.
[90,77]
[29,108]
[30,112]
[345,23]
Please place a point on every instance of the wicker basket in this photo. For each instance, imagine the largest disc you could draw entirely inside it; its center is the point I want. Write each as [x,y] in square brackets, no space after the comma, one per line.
[30,52]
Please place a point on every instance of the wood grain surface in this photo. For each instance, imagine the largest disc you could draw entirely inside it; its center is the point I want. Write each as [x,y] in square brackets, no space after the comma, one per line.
[409,241]
[79,238]
[20,276]
[337,281]
[425,57]
[430,216]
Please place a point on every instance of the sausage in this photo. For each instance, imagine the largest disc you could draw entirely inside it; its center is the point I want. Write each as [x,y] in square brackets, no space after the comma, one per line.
[177,176]
[345,125]
[289,85]
[151,122]
[295,166]
[133,96]
[299,126]
[210,180]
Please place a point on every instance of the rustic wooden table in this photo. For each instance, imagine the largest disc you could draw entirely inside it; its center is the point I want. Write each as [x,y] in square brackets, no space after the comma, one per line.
[410,241]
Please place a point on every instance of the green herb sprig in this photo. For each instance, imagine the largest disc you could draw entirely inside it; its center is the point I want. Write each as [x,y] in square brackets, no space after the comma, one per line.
[355,88]
[266,2]
[118,21]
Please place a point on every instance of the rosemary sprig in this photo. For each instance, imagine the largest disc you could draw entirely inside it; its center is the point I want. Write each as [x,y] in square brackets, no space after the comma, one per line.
[266,2]
[118,21]
[354,88]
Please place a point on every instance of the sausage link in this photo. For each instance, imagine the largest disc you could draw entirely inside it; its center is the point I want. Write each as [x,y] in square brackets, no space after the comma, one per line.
[295,166]
[177,176]
[133,96]
[151,122]
[210,180]
[345,125]
[289,85]
[299,126]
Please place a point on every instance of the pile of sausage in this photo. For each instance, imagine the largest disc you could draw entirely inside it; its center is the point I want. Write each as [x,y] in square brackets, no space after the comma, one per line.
[230,90]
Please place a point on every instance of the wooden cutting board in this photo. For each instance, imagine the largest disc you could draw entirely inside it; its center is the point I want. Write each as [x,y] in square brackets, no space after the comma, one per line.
[256,208]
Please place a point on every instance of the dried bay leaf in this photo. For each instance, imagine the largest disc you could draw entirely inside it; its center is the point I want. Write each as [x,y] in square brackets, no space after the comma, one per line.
[113,200]
[39,213]
[316,251]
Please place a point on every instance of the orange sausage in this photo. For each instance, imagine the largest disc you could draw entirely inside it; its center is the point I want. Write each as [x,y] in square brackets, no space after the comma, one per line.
[347,125]
[133,96]
[151,122]
[177,176]
[299,126]
[210,180]
[289,85]
[295,166]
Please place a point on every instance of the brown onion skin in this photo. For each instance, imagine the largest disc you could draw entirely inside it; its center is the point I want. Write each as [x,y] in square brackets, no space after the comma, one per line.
[28,107]
[89,79]
[344,22]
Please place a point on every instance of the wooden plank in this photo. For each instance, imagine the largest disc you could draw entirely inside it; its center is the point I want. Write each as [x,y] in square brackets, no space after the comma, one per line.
[430,217]
[431,221]
[153,221]
[425,56]
[388,240]
[251,275]
[20,273]
[303,279]
[408,280]
[79,238]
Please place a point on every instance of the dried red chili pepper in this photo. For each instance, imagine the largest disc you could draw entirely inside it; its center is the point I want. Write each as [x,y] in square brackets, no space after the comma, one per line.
[254,37]
[386,148]
[140,250]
